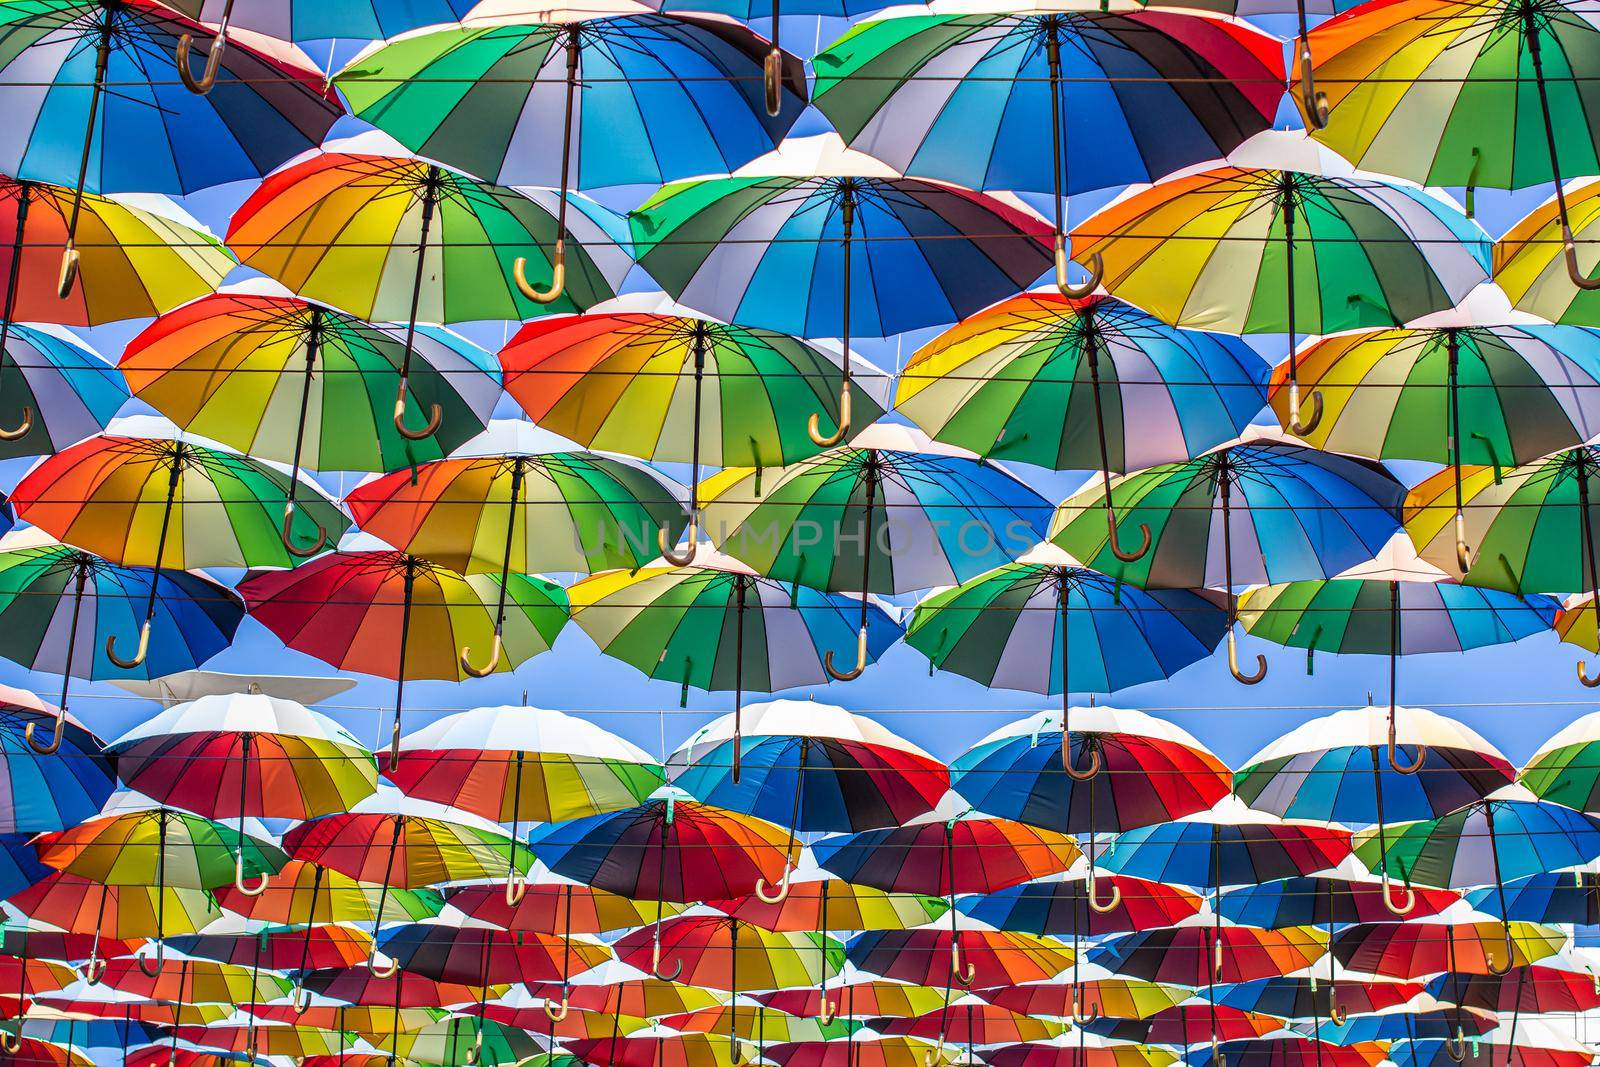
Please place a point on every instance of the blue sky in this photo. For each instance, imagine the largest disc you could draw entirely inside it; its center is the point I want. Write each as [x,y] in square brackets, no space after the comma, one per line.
[1516,695]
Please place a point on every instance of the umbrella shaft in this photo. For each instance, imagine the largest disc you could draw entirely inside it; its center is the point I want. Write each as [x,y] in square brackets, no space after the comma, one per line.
[15,274]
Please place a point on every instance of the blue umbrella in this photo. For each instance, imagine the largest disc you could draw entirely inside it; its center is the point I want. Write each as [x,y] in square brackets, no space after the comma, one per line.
[1301,997]
[58,389]
[1549,897]
[320,20]
[19,864]
[40,795]
[1400,1025]
[1319,901]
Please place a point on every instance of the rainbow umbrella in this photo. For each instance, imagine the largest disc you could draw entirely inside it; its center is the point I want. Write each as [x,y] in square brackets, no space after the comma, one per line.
[1184,1024]
[357,231]
[733,246]
[309,894]
[635,97]
[1301,514]
[36,1052]
[66,389]
[106,70]
[296,382]
[723,953]
[397,991]
[46,627]
[460,1039]
[757,1024]
[1209,955]
[1564,770]
[817,901]
[1006,383]
[217,509]
[140,256]
[1537,989]
[958,92]
[1062,907]
[644,998]
[1115,998]
[307,20]
[968,955]
[1079,1054]
[1491,60]
[1304,997]
[1547,1047]
[1551,897]
[524,513]
[399,616]
[289,761]
[280,949]
[19,864]
[630,381]
[1281,208]
[1323,900]
[466,956]
[719,625]
[1426,948]
[1540,261]
[550,906]
[659,1047]
[1290,1051]
[861,997]
[972,1022]
[40,795]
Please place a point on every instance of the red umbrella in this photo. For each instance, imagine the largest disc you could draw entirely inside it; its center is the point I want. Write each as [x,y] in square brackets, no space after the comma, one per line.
[1189,1024]
[1421,949]
[472,956]
[968,1023]
[1064,907]
[549,908]
[662,1049]
[358,985]
[928,956]
[315,947]
[1528,989]
[721,952]
[1206,955]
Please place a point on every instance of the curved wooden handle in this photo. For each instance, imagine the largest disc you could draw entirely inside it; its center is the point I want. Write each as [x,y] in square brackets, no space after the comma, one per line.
[1096,269]
[772,77]
[861,660]
[22,428]
[814,424]
[1304,429]
[69,271]
[558,275]
[435,416]
[1312,100]
[55,738]
[488,668]
[287,532]
[1233,664]
[669,550]
[202,85]
[139,655]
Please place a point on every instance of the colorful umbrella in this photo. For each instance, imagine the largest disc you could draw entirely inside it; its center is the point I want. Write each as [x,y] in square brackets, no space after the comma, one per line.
[862,997]
[402,617]
[1220,247]
[123,913]
[733,246]
[47,628]
[488,957]
[1321,901]
[817,901]
[724,953]
[217,509]
[1051,907]
[917,89]
[1564,770]
[1552,897]
[1079,1054]
[40,795]
[307,894]
[638,98]
[66,389]
[1301,514]
[1422,949]
[1526,266]
[1210,955]
[81,65]
[523,513]
[659,1047]
[357,231]
[307,20]
[460,1039]
[1305,997]
[1536,989]
[1006,383]
[1112,998]
[972,1022]
[719,625]
[296,382]
[969,956]
[549,906]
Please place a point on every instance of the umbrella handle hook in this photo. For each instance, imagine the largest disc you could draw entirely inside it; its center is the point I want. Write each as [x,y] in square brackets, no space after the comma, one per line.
[22,428]
[783,888]
[1094,897]
[1463,552]
[1078,1017]
[488,668]
[1569,246]
[473,1053]
[10,1042]
[94,969]
[1313,101]
[55,737]
[240,884]
[1095,761]
[555,1015]
[388,971]
[558,275]
[1488,960]
[1304,429]
[1116,549]
[861,659]
[772,77]
[138,656]
[1096,268]
[669,549]
[161,960]
[300,1000]
[287,532]
[69,270]
[1583,676]
[814,425]
[1456,1047]
[1394,753]
[202,85]
[1336,1014]
[655,965]
[516,888]
[1233,664]
[1407,902]
[828,1011]
[435,416]
[963,975]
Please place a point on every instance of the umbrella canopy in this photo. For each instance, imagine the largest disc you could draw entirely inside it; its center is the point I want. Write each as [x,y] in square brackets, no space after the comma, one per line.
[1321,901]
[39,794]
[724,953]
[1188,955]
[1551,897]
[1535,989]
[158,846]
[917,88]
[940,854]
[409,846]
[816,901]
[1540,261]
[1010,382]
[1117,998]
[56,392]
[124,912]
[859,998]
[357,231]
[1563,770]
[488,957]
[972,1023]
[553,907]
[1306,998]
[307,894]
[1050,907]
[1228,845]
[971,957]
[1423,949]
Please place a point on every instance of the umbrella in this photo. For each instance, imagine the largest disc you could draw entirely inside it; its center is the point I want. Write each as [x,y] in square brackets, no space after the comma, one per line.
[141,256]
[862,997]
[1180,1024]
[917,89]
[719,625]
[549,906]
[817,901]
[1301,514]
[724,953]
[1455,137]
[1079,1054]
[39,795]
[1006,383]
[308,894]
[355,231]
[970,956]
[460,1039]
[1564,769]
[399,990]
[48,628]
[68,390]
[732,246]
[1423,949]
[1047,625]
[1538,262]
[1111,998]
[307,20]
[1535,989]
[659,1047]
[280,949]
[1551,897]
[84,65]
[1062,907]
[1281,208]
[636,97]
[1295,1051]
[296,382]
[524,513]
[1303,997]
[1547,1047]
[1190,955]
[290,762]
[972,1022]
[1325,900]
[399,616]
[630,381]
[466,956]
[217,509]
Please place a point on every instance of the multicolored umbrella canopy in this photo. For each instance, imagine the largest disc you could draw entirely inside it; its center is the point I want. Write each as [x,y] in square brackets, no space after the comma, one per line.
[1188,955]
[38,794]
[1563,770]
[723,953]
[976,957]
[717,625]
[814,900]
[1306,998]
[1051,907]
[1424,948]
[488,957]
[958,92]
[140,844]
[127,913]
[1321,901]
[306,894]
[356,231]
[813,767]
[57,391]
[1535,989]
[555,906]
[629,381]
[1552,897]
[889,513]
[140,256]
[1009,383]
[644,97]
[307,20]
[1532,263]
[1225,846]
[567,512]
[288,380]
